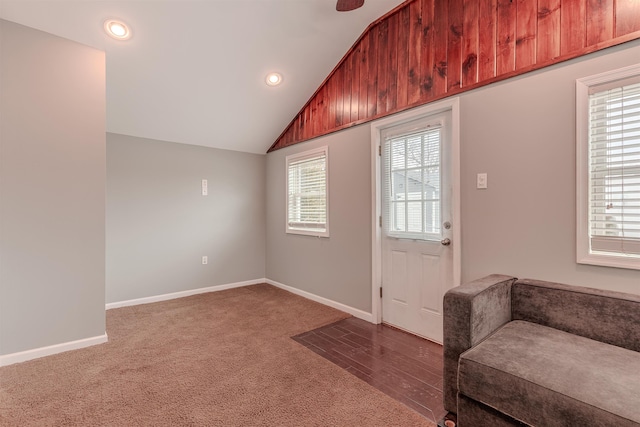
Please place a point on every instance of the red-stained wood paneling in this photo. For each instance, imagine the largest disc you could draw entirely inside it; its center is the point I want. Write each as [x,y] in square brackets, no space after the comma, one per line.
[301,127]
[346,94]
[308,124]
[323,110]
[454,51]
[313,120]
[415,52]
[383,66]
[331,90]
[339,101]
[425,39]
[404,25]
[600,21]
[392,64]
[627,17]
[548,39]
[364,79]
[440,22]
[573,21]
[425,50]
[372,86]
[471,45]
[355,84]
[487,14]
[526,20]
[299,135]
[506,42]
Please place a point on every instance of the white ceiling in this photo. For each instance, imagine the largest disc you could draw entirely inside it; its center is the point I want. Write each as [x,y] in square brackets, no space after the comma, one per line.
[194,71]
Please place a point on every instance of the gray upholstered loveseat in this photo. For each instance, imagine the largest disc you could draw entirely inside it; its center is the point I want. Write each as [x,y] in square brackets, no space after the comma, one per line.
[527,352]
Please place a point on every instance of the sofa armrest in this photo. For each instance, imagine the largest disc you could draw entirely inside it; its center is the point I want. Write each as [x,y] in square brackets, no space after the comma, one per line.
[471,313]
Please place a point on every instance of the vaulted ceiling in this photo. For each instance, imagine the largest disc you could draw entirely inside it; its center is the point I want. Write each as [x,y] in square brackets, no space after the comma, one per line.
[194,71]
[425,50]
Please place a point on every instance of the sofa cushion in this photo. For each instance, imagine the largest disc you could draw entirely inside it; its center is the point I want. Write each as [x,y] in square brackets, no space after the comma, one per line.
[546,377]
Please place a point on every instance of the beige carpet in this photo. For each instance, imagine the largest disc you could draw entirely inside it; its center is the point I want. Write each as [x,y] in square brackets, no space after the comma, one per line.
[217,359]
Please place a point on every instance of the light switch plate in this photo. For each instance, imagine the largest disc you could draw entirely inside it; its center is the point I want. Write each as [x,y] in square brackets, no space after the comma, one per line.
[481,181]
[205,189]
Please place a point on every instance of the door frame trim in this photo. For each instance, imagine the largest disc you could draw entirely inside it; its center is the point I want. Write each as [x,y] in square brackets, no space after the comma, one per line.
[452,104]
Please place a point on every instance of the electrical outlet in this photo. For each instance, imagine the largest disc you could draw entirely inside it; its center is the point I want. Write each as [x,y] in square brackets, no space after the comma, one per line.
[205,260]
[205,189]
[481,181]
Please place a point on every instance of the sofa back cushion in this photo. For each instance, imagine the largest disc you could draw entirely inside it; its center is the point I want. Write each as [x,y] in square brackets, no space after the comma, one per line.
[606,316]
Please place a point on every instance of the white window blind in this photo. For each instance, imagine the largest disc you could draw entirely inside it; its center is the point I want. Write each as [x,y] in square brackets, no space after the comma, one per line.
[412,183]
[614,167]
[307,206]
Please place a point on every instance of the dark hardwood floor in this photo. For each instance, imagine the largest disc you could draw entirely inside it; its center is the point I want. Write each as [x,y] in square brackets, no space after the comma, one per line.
[403,366]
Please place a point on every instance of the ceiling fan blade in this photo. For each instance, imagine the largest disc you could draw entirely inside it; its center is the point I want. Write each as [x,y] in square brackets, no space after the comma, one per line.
[347,5]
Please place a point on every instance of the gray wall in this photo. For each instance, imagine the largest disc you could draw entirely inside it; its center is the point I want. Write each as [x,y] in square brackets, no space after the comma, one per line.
[52,198]
[159,225]
[522,133]
[338,267]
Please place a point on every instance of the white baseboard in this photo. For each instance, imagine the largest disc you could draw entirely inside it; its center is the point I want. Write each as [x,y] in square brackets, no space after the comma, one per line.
[174,295]
[337,305]
[23,356]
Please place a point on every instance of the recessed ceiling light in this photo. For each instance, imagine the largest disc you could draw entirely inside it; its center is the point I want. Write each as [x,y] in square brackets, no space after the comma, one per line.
[274,79]
[117,29]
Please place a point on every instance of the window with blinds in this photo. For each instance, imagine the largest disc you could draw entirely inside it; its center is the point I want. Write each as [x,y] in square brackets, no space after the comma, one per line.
[307,184]
[613,167]
[412,181]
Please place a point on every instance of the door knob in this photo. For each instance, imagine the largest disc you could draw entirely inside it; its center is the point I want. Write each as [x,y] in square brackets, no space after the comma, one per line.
[445,242]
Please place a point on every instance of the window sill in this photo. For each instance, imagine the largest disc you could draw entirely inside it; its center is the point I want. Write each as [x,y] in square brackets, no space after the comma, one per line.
[615,261]
[308,232]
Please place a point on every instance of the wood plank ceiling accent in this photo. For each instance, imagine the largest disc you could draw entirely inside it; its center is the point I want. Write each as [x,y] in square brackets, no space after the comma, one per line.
[425,50]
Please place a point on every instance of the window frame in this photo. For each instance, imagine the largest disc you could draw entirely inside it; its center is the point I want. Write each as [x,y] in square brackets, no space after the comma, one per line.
[308,154]
[584,253]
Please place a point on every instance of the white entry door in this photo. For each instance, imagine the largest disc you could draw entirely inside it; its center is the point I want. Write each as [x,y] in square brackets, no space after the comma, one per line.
[417,255]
